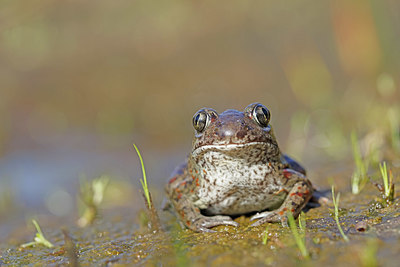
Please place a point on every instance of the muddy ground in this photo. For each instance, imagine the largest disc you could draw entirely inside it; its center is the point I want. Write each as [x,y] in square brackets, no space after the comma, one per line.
[122,237]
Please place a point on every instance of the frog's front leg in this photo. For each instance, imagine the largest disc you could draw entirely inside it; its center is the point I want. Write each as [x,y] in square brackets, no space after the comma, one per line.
[193,219]
[295,201]
[189,214]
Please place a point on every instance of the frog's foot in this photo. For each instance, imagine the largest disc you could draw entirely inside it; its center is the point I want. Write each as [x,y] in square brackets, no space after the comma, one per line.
[319,197]
[269,216]
[203,223]
[295,201]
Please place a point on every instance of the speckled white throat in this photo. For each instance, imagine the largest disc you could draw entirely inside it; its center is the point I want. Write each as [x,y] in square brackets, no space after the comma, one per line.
[237,178]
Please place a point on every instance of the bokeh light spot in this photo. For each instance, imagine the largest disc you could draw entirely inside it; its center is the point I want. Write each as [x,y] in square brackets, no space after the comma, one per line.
[59,202]
[385,84]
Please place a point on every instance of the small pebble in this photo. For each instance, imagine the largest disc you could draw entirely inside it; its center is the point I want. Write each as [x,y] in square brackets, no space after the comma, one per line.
[361,226]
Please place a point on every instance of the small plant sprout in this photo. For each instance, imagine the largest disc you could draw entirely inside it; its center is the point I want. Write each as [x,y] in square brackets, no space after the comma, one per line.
[144,180]
[39,238]
[155,222]
[387,178]
[335,201]
[298,237]
[92,195]
[302,221]
[359,177]
[265,236]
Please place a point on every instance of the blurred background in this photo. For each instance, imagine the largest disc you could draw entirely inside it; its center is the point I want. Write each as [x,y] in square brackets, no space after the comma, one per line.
[80,81]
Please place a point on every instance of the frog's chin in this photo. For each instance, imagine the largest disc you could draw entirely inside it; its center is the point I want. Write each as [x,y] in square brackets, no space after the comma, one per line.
[232,147]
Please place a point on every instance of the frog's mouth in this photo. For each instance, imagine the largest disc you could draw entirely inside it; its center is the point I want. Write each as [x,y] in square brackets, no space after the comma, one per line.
[239,150]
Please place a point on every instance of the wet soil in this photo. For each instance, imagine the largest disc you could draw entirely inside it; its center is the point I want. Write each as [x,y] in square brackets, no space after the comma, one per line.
[372,225]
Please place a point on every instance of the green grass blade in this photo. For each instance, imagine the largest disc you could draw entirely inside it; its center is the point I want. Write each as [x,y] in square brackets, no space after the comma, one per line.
[144,180]
[385,178]
[297,237]
[265,236]
[39,238]
[336,205]
[302,221]
[359,177]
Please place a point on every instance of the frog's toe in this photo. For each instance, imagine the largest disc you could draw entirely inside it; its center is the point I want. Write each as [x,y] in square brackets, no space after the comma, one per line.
[261,215]
[204,223]
[264,217]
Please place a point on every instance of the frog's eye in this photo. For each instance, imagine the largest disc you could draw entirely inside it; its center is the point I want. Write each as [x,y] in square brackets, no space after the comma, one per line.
[200,120]
[261,115]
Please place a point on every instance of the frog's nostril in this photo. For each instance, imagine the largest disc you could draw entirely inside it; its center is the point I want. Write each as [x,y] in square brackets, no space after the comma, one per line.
[241,134]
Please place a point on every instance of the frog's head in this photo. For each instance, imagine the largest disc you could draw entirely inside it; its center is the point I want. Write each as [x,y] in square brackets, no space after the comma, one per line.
[233,131]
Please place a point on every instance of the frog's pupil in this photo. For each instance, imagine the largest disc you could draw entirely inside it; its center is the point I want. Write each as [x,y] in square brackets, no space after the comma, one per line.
[262,116]
[200,122]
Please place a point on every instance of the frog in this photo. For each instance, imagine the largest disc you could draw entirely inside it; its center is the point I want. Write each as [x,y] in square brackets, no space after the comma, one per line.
[236,168]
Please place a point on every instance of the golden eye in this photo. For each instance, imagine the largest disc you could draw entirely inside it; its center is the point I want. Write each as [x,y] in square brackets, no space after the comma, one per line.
[261,115]
[200,120]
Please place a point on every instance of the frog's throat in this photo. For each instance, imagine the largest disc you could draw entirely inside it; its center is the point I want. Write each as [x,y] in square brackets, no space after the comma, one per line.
[228,147]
